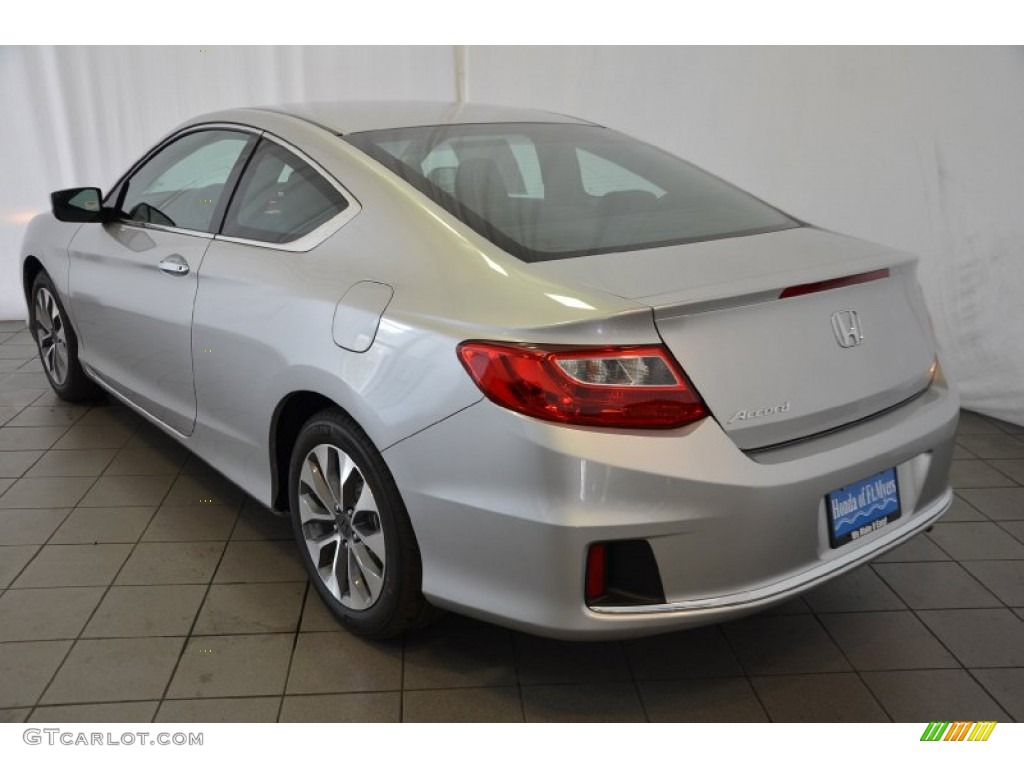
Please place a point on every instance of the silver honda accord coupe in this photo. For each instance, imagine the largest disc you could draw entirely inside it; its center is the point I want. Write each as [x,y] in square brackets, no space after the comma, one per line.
[504,362]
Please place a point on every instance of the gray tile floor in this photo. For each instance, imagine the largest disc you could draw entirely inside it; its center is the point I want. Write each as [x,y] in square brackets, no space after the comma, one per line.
[137,584]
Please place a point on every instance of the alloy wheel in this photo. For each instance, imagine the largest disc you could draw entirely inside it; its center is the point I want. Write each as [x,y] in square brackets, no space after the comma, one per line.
[341,526]
[51,336]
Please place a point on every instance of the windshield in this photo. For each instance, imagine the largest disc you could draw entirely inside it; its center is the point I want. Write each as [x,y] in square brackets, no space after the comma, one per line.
[547,191]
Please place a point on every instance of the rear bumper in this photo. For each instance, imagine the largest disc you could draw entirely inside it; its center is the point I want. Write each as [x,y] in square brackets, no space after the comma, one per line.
[504,508]
[765,596]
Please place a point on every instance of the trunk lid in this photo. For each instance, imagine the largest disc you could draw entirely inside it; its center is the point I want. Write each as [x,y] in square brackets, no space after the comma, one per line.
[773,369]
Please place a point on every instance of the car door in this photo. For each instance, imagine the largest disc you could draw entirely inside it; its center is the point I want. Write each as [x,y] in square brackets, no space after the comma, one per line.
[133,280]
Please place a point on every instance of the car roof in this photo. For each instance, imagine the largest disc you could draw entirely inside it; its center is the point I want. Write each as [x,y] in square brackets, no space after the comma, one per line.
[353,116]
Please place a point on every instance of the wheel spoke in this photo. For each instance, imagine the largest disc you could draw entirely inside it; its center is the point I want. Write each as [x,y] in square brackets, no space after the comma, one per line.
[51,307]
[324,552]
[61,346]
[49,353]
[358,592]
[365,502]
[372,574]
[313,474]
[375,543]
[330,581]
[60,362]
[310,506]
[333,471]
[320,544]
[42,315]
[351,482]
[334,577]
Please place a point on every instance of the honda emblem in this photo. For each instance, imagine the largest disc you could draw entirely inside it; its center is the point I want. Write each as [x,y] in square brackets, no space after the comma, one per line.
[847,328]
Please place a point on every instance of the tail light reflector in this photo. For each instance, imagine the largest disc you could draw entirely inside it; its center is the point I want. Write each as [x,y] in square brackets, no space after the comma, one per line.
[595,582]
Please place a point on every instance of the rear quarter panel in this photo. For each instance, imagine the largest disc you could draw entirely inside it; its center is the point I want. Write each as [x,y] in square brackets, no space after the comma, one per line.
[263,318]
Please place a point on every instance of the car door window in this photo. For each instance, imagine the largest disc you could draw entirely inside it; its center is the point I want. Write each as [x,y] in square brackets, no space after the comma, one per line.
[183,183]
[280,198]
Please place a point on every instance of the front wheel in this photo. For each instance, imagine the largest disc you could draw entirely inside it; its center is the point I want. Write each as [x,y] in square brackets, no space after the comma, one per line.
[353,532]
[58,344]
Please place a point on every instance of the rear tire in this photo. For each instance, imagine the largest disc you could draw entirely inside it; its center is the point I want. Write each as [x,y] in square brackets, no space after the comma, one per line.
[58,343]
[352,530]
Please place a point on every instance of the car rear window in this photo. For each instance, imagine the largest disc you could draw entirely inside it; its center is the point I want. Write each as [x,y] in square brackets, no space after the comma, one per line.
[547,191]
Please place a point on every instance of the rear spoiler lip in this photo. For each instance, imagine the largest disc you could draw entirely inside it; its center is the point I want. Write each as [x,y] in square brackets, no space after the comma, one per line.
[836,282]
[774,287]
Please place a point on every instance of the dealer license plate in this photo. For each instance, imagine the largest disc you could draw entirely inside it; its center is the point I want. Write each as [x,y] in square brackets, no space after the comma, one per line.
[862,507]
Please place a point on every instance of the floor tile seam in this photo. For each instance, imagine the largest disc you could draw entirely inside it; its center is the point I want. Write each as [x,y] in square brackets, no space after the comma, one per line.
[234,522]
[972,506]
[156,504]
[939,640]
[962,560]
[958,608]
[506,686]
[17,413]
[516,667]
[945,523]
[295,645]
[1012,535]
[942,549]
[969,574]
[114,403]
[195,619]
[43,452]
[970,672]
[853,666]
[1013,482]
[103,597]
[401,675]
[982,584]
[92,704]
[1008,484]
[110,461]
[70,424]
[890,587]
[826,673]
[747,676]
[1013,436]
[50,537]
[636,684]
[73,642]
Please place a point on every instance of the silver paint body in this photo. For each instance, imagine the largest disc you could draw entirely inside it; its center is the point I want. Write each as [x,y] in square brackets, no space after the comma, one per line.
[504,506]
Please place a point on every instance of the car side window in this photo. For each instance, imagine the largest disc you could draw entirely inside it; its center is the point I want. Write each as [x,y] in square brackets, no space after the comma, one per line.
[280,198]
[182,184]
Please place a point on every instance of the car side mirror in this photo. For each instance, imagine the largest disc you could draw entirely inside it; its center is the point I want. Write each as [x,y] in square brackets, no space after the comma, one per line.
[81,204]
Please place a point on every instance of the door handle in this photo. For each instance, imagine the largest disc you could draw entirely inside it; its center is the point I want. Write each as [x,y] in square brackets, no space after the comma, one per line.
[174,265]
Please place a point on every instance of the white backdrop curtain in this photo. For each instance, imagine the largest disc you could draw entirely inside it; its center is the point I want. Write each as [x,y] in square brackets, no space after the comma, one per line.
[78,116]
[916,148]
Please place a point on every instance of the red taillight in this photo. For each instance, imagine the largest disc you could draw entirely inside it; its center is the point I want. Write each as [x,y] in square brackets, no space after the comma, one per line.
[594,583]
[828,285]
[641,387]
